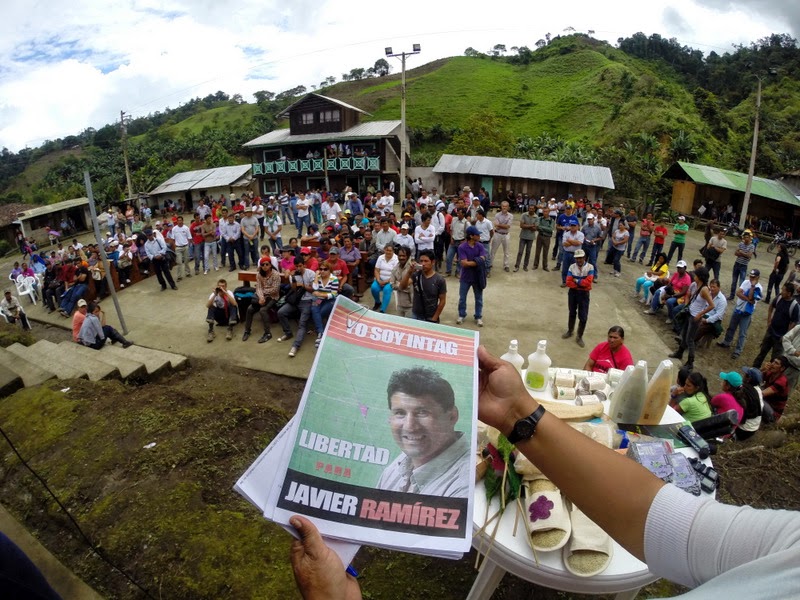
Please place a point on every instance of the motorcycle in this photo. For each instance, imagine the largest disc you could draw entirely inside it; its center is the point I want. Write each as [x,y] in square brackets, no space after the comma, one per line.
[780,238]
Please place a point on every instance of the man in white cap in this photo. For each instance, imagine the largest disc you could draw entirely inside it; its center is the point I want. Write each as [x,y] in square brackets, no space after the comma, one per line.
[579,281]
[404,238]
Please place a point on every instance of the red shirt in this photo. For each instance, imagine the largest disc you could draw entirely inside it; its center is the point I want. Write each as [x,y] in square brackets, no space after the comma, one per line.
[605,360]
[340,269]
[660,232]
[197,234]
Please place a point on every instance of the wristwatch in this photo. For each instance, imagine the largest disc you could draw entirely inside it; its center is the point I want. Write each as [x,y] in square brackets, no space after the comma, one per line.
[525,428]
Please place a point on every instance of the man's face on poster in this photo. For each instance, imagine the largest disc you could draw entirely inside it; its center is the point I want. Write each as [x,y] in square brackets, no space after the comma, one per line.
[421,427]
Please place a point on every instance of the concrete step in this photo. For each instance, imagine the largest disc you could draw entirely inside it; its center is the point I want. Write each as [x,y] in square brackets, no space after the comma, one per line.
[152,362]
[10,381]
[125,367]
[43,354]
[89,360]
[31,373]
[176,361]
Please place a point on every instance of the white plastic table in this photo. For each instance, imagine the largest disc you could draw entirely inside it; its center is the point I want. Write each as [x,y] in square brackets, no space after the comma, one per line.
[512,554]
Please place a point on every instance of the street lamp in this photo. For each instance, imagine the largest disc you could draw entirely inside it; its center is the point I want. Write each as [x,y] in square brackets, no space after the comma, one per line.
[415,49]
[751,170]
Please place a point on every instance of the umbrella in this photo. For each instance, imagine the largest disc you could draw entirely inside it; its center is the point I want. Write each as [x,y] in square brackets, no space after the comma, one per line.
[54,232]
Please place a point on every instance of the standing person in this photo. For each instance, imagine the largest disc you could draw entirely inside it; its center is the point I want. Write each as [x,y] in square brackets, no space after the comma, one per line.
[382,282]
[486,229]
[782,316]
[714,249]
[778,270]
[157,253]
[744,252]
[472,256]
[643,242]
[747,296]
[272,227]
[430,289]
[302,210]
[182,236]
[528,225]
[209,231]
[222,310]
[401,282]
[268,290]
[579,282]
[286,210]
[617,245]
[502,227]
[571,242]
[592,238]
[700,302]
[458,234]
[631,219]
[251,233]
[679,231]
[196,227]
[659,236]
[545,228]
[230,234]
[562,224]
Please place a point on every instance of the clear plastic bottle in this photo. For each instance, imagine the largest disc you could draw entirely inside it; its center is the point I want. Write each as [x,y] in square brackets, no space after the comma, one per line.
[657,397]
[513,356]
[538,363]
[629,396]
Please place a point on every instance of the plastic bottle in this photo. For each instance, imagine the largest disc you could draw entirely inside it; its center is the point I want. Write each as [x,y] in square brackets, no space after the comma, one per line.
[657,397]
[513,356]
[538,363]
[629,397]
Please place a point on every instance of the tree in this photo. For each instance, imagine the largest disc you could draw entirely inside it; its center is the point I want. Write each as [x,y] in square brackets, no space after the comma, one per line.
[682,147]
[484,134]
[541,43]
[472,53]
[217,156]
[497,50]
[356,74]
[264,96]
[382,67]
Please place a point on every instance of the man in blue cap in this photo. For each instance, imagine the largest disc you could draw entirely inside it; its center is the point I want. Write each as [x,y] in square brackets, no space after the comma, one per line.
[472,258]
[571,240]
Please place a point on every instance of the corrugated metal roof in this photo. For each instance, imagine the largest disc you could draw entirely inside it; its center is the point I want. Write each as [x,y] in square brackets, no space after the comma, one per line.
[766,188]
[371,129]
[525,169]
[203,178]
[286,110]
[51,208]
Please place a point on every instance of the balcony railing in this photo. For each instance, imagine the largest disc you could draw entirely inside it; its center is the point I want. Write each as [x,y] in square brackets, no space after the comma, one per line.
[317,165]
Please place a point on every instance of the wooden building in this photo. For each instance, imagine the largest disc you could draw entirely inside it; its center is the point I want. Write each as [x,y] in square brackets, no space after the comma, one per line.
[326,145]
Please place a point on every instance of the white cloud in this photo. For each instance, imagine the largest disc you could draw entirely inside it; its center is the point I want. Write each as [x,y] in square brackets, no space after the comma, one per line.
[74,64]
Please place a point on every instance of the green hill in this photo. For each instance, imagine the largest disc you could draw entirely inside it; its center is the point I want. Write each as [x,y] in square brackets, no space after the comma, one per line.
[634,108]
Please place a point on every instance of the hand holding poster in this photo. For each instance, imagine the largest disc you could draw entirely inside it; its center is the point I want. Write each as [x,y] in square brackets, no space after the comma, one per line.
[383,448]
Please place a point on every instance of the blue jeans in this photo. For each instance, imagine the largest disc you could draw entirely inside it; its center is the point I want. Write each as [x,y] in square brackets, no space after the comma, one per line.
[381,294]
[738,275]
[655,303]
[566,260]
[71,297]
[287,216]
[672,306]
[487,245]
[742,320]
[209,252]
[591,257]
[617,256]
[452,253]
[463,289]
[642,243]
[250,252]
[320,311]
[657,248]
[302,221]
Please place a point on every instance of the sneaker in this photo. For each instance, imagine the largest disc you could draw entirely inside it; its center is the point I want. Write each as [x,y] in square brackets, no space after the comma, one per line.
[525,268]
[188,275]
[318,341]
[127,281]
[285,337]
[127,344]
[544,269]
[205,272]
[516,269]
[723,345]
[563,285]
[376,306]
[210,337]
[229,334]
[678,355]
[616,274]
[649,311]
[506,269]
[580,342]
[179,279]
[479,322]
[121,286]
[644,300]
[735,355]
[245,336]
[459,320]
[265,338]
[292,352]
[668,321]
[558,266]
[566,335]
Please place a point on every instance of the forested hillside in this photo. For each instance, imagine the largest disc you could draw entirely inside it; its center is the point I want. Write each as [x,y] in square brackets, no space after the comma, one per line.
[634,107]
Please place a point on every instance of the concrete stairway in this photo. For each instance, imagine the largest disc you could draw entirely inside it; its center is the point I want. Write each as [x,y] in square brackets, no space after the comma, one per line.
[26,366]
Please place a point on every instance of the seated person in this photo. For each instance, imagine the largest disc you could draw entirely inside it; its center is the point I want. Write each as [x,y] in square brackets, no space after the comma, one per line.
[221,309]
[695,405]
[660,270]
[12,310]
[731,397]
[94,332]
[313,235]
[611,354]
[775,389]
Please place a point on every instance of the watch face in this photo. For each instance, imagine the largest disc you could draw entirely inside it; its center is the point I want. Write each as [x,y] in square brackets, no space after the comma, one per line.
[523,430]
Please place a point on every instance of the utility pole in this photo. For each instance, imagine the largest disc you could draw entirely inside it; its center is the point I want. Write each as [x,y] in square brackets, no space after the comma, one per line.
[403,136]
[752,169]
[124,131]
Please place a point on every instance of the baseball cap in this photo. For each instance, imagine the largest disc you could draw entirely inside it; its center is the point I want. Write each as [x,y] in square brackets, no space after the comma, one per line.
[754,374]
[573,222]
[733,378]
[81,302]
[681,263]
[755,273]
[590,217]
[248,209]
[305,250]
[265,260]
[472,230]
[681,218]
[579,253]
[404,226]
[333,250]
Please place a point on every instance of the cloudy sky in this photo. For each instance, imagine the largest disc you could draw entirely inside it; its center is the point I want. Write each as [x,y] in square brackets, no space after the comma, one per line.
[66,65]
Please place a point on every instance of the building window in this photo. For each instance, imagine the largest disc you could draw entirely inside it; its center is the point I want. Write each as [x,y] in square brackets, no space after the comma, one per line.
[329,116]
[307,118]
[269,186]
[270,155]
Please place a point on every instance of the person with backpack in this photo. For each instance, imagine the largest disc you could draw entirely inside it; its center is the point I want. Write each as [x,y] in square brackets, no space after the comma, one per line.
[700,302]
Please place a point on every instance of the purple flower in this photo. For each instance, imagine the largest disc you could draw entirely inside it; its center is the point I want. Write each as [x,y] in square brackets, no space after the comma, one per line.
[540,508]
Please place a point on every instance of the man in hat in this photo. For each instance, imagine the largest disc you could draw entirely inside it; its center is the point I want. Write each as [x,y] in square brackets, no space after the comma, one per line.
[251,233]
[571,242]
[156,251]
[747,296]
[93,332]
[405,239]
[472,257]
[579,281]
[12,310]
[679,232]
[744,252]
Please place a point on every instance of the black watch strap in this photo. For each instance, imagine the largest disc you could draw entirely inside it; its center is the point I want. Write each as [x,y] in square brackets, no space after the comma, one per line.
[525,428]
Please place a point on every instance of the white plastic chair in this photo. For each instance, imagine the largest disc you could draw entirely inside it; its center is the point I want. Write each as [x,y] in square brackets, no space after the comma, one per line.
[25,288]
